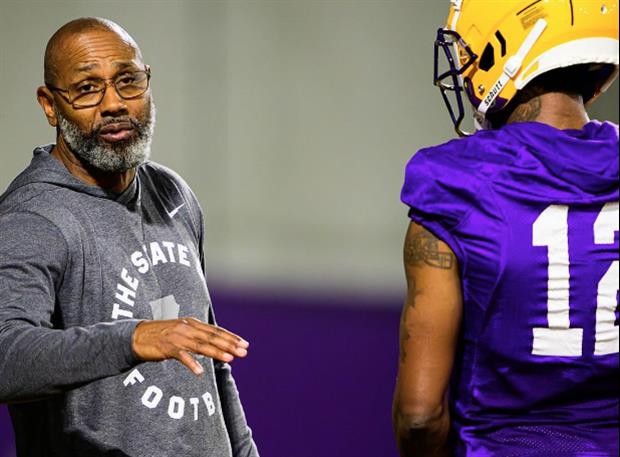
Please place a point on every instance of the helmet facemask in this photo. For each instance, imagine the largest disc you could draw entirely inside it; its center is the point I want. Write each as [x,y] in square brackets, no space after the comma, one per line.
[450,82]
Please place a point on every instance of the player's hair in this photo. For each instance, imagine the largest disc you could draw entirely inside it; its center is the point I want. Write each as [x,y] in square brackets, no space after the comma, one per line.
[583,81]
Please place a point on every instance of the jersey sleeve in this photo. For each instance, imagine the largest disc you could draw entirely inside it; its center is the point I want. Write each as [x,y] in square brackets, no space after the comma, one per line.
[38,359]
[440,189]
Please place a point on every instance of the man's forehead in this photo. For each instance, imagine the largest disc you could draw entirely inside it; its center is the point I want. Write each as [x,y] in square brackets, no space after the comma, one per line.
[98,42]
[87,66]
[86,51]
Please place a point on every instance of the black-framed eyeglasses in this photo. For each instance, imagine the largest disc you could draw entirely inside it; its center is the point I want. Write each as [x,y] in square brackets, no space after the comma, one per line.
[90,92]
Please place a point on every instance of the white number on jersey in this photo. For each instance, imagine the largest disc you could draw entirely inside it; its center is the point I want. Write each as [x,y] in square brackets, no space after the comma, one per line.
[559,339]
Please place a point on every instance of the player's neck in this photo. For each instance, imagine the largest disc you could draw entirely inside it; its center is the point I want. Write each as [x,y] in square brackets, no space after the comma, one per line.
[556,109]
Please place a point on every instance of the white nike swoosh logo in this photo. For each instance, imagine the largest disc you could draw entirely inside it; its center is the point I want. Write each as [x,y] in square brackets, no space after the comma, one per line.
[174,212]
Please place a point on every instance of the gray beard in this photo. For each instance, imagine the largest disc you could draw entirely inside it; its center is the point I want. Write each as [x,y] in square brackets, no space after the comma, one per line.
[112,158]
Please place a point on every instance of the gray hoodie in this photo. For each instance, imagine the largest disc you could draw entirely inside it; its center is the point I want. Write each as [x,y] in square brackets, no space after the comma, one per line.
[79,267]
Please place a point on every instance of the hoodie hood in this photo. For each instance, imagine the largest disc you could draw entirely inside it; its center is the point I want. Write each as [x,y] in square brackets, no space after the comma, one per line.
[588,158]
[45,171]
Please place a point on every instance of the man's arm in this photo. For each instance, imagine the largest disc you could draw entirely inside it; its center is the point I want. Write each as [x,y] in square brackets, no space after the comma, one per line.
[38,360]
[429,330]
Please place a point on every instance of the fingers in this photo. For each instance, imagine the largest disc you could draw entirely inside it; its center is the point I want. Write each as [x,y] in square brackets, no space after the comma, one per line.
[190,362]
[220,332]
[212,343]
[178,339]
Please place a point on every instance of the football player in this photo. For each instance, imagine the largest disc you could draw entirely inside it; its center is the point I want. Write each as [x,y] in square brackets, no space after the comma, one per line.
[509,333]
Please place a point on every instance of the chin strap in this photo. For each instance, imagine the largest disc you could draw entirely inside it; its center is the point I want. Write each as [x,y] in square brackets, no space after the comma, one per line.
[513,65]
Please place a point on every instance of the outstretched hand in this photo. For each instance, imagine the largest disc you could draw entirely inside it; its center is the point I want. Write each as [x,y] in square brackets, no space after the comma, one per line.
[177,339]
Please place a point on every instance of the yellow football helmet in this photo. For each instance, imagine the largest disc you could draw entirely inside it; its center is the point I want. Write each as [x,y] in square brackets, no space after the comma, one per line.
[495,48]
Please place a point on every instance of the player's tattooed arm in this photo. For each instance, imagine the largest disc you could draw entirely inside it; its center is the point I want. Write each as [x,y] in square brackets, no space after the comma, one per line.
[423,248]
[428,331]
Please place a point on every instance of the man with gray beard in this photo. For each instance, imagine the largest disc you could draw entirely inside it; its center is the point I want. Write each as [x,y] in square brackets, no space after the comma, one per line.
[108,341]
[105,156]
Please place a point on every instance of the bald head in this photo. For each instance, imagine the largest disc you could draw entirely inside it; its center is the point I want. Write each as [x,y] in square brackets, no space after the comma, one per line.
[72,31]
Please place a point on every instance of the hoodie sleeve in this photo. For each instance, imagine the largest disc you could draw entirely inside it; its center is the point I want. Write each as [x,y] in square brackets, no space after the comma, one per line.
[38,359]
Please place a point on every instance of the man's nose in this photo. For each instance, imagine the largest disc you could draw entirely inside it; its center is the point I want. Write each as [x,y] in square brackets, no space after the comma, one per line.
[112,103]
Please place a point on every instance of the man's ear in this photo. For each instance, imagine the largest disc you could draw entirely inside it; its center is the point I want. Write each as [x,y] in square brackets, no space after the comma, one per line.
[46,100]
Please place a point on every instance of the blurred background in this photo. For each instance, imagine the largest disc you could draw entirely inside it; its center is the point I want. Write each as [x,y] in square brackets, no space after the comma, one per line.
[292,120]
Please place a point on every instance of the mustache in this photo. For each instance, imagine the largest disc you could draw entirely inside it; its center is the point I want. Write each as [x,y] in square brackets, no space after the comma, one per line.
[135,123]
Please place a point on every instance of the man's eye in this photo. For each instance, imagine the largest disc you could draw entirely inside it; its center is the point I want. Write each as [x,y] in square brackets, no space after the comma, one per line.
[86,88]
[126,80]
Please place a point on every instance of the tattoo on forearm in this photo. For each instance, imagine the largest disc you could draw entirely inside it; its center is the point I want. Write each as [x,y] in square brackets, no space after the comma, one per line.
[423,248]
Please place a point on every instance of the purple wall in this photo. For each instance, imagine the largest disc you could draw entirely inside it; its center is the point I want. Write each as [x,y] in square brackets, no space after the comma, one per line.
[319,378]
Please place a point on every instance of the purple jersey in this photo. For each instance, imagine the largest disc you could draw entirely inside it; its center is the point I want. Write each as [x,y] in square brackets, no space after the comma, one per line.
[531,212]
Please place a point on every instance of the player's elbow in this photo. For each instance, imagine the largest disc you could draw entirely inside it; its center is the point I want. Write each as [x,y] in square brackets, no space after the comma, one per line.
[421,430]
[414,418]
